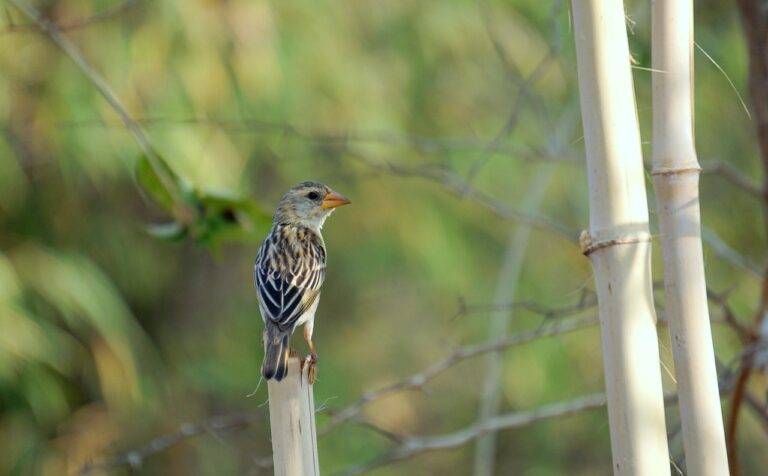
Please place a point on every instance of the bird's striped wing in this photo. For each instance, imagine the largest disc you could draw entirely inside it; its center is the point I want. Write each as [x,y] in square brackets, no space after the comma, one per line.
[287,292]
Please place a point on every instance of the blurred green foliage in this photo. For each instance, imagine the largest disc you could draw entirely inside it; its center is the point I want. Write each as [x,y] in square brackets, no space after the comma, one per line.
[124,315]
[207,217]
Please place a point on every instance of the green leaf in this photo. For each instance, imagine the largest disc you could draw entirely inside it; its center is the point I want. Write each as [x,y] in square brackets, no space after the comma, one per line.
[171,231]
[228,217]
[219,215]
[150,182]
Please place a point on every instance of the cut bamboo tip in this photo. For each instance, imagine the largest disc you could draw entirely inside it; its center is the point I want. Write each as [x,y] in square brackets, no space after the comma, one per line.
[292,423]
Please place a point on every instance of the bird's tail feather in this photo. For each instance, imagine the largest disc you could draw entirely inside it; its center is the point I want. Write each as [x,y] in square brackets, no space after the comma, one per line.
[276,352]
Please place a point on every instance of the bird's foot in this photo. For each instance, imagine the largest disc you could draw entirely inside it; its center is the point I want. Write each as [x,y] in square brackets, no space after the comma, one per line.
[310,362]
[292,353]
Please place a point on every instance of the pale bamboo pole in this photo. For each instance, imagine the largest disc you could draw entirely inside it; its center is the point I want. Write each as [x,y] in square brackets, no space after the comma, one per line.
[676,181]
[618,241]
[292,421]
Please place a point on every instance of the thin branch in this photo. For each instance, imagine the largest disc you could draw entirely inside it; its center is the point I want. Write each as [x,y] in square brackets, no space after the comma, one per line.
[514,114]
[135,458]
[394,437]
[733,415]
[420,143]
[759,409]
[723,250]
[506,287]
[729,316]
[105,90]
[524,87]
[225,423]
[459,187]
[106,14]
[414,446]
[443,177]
[407,446]
[587,301]
[742,380]
[754,19]
[418,380]
[733,175]
[510,124]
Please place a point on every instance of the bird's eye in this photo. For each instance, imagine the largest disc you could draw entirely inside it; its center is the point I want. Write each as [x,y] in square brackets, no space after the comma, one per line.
[313,195]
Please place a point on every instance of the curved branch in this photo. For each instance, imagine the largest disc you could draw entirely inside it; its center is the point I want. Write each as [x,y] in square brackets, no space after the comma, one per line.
[71,50]
[461,188]
[414,446]
[135,458]
[418,380]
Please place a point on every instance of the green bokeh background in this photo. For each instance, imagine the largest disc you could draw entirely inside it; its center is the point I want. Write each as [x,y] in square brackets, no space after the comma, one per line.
[114,331]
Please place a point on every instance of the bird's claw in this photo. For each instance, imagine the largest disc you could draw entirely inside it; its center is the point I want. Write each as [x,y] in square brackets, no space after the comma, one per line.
[311,364]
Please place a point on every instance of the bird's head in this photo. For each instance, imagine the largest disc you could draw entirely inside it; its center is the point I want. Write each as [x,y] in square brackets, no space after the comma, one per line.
[308,204]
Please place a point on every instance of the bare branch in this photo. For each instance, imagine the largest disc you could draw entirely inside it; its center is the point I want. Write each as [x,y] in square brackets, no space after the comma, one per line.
[135,458]
[407,447]
[106,91]
[754,19]
[722,249]
[524,89]
[106,14]
[413,446]
[418,380]
[420,143]
[589,301]
[733,175]
[507,282]
[440,176]
[459,187]
[729,316]
[512,119]
[759,408]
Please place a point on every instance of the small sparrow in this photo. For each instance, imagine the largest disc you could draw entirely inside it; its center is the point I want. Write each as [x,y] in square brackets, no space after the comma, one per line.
[289,271]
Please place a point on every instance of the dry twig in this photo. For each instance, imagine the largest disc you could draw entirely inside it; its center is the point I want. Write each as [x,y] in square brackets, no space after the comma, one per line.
[459,187]
[754,19]
[413,446]
[342,139]
[103,15]
[733,175]
[106,91]
[418,380]
[135,458]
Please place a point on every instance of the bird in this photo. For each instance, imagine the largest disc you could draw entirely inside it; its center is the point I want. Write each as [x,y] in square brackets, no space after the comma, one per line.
[289,271]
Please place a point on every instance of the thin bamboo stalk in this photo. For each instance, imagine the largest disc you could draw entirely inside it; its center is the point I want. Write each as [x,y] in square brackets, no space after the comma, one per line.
[506,288]
[676,181]
[618,241]
[292,421]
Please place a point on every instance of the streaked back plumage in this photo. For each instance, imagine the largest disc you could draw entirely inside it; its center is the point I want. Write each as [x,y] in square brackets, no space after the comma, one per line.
[289,271]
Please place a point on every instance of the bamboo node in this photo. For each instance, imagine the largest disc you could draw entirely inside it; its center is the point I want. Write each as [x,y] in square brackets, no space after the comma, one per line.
[589,245]
[676,170]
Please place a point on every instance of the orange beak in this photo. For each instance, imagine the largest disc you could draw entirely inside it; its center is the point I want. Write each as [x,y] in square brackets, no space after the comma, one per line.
[333,200]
